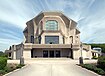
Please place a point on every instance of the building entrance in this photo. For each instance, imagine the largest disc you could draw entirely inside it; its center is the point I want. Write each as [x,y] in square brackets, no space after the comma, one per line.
[57,53]
[45,53]
[51,53]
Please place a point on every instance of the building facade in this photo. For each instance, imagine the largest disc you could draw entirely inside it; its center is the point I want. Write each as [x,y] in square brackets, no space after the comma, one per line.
[50,35]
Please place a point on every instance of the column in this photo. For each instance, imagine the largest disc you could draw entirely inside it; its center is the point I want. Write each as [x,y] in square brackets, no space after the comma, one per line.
[14,54]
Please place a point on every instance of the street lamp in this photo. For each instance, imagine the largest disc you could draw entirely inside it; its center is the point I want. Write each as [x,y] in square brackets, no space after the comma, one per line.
[81,58]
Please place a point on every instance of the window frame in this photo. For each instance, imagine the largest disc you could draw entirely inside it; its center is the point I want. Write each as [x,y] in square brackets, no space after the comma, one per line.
[52,27]
[50,42]
[32,39]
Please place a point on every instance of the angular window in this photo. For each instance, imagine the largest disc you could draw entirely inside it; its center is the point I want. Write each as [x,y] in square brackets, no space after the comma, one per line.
[51,25]
[51,39]
[63,40]
[39,38]
[32,39]
[9,54]
[71,38]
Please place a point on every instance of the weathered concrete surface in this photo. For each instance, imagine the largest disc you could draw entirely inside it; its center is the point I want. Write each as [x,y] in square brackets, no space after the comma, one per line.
[53,67]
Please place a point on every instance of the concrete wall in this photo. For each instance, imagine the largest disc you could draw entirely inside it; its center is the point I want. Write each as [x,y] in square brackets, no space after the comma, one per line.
[38,52]
[67,27]
[27,54]
[85,54]
[19,54]
[76,54]
[65,52]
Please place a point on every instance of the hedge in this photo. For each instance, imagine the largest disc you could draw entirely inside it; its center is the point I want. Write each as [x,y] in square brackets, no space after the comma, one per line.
[102,46]
[93,67]
[3,62]
[101,62]
[19,66]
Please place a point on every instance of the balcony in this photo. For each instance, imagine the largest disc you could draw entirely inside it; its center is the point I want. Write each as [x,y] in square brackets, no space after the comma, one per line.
[75,46]
[30,46]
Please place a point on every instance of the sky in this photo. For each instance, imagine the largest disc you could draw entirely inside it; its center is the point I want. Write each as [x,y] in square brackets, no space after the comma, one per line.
[89,14]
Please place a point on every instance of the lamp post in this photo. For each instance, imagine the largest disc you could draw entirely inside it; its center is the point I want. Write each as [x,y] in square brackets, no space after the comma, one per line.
[81,58]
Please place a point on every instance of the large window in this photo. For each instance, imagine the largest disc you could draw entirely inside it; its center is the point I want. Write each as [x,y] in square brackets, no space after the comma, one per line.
[51,25]
[51,39]
[39,38]
[45,53]
[32,39]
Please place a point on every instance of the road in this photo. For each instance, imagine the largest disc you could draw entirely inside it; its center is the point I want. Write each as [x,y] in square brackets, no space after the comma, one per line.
[52,67]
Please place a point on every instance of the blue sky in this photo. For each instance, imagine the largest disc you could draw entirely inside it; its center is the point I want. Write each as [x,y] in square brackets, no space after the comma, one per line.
[89,14]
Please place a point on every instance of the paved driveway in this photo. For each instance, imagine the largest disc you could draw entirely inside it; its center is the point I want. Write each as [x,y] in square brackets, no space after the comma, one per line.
[52,67]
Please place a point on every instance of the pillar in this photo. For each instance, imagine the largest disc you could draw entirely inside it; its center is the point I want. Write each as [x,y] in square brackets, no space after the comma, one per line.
[14,55]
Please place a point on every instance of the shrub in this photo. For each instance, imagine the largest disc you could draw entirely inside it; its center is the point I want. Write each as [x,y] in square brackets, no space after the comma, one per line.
[19,66]
[93,68]
[88,66]
[3,62]
[2,54]
[101,62]
[2,72]
[9,69]
[99,71]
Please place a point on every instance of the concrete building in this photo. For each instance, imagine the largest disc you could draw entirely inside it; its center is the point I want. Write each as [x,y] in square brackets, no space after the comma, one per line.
[96,52]
[50,34]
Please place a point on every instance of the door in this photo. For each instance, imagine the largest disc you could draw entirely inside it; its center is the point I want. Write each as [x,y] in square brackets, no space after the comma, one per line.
[51,53]
[45,53]
[57,53]
[32,53]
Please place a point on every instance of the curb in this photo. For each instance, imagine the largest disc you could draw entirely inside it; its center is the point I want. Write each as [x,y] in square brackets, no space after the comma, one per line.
[16,70]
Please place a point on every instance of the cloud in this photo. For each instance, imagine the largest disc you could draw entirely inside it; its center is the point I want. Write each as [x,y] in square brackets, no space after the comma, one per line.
[16,12]
[89,14]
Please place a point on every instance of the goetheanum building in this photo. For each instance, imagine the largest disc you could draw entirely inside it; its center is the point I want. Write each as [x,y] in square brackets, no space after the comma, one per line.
[50,35]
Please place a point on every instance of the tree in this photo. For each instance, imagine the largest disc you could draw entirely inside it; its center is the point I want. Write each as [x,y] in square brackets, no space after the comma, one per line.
[2,54]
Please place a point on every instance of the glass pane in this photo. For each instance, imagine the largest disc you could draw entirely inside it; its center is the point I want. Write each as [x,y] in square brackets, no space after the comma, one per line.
[57,52]
[45,53]
[32,39]
[51,25]
[51,39]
